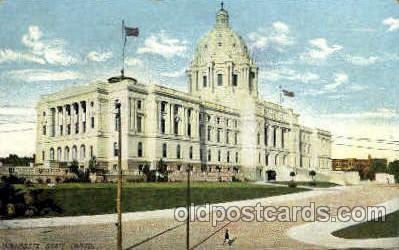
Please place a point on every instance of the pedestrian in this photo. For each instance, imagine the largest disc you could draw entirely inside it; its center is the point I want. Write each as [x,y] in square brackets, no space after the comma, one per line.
[226,237]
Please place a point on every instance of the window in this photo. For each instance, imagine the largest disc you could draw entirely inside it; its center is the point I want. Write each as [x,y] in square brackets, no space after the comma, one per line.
[209,133]
[66,154]
[138,104]
[228,156]
[43,155]
[176,127]
[267,159]
[235,80]
[163,125]
[266,136]
[220,79]
[163,107]
[218,135]
[82,152]
[74,153]
[44,130]
[236,157]
[189,129]
[59,154]
[68,129]
[116,122]
[258,139]
[139,124]
[227,137]
[76,128]
[282,138]
[209,155]
[51,154]
[219,155]
[235,138]
[251,80]
[259,158]
[201,152]
[115,149]
[274,136]
[190,154]
[164,150]
[204,81]
[84,127]
[91,104]
[218,120]
[44,113]
[61,130]
[140,149]
[91,151]
[178,155]
[92,122]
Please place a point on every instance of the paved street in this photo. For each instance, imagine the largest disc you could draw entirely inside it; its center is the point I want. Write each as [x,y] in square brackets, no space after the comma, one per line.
[168,233]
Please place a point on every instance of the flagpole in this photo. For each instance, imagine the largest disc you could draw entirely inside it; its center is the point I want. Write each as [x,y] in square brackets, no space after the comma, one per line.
[123,50]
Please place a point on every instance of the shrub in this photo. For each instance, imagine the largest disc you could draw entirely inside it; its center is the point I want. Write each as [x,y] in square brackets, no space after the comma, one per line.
[292,184]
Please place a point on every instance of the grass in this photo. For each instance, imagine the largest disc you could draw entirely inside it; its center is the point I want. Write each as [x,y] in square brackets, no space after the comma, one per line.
[372,229]
[90,199]
[320,184]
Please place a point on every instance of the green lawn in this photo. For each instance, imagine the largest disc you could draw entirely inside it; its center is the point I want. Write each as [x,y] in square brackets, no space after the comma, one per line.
[88,199]
[319,184]
[372,229]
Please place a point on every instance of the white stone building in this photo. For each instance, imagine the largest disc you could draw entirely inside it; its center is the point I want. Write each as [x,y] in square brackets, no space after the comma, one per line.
[220,127]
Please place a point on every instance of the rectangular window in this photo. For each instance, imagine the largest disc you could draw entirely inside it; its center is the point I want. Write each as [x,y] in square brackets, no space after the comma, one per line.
[220,79]
[61,129]
[204,81]
[235,80]
[92,122]
[218,135]
[115,149]
[139,124]
[44,130]
[69,129]
[76,128]
[84,127]
[189,129]
[163,125]
[274,136]
[209,133]
[138,104]
[227,137]
[235,138]
[116,122]
[91,152]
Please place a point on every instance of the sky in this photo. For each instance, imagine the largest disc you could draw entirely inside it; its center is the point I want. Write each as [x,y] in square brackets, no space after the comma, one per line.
[341,58]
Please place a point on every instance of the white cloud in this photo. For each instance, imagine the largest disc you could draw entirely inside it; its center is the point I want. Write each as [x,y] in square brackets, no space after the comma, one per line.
[289,74]
[278,35]
[392,23]
[320,50]
[52,51]
[339,79]
[8,55]
[362,61]
[133,62]
[174,74]
[163,45]
[40,51]
[99,56]
[36,75]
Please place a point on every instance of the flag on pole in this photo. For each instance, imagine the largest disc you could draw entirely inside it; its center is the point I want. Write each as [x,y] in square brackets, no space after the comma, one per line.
[288,93]
[129,31]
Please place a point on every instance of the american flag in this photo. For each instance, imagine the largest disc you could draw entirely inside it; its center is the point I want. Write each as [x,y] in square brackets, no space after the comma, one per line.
[131,31]
[288,93]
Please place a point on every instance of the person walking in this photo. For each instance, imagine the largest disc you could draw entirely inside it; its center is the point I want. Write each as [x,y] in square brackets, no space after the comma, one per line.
[226,237]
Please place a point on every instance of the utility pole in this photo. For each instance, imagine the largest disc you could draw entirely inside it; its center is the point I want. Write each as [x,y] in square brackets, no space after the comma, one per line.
[188,207]
[119,188]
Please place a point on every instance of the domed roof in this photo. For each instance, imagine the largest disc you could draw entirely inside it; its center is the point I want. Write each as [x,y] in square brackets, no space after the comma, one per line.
[221,44]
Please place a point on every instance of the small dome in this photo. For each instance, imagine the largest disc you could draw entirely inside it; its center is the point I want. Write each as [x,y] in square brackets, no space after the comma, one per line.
[221,44]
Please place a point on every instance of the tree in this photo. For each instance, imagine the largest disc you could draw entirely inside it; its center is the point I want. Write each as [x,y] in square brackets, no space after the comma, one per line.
[93,165]
[312,174]
[393,168]
[292,174]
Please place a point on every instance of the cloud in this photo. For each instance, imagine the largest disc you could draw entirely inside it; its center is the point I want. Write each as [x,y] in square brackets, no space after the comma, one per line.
[36,75]
[320,50]
[174,74]
[98,56]
[289,74]
[392,23]
[339,79]
[52,51]
[362,61]
[8,55]
[278,35]
[133,62]
[163,45]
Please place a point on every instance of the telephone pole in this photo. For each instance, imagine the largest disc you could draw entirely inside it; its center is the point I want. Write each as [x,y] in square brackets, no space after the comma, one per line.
[119,188]
[188,207]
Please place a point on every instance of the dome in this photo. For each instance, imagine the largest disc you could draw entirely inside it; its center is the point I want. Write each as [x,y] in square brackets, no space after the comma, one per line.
[221,44]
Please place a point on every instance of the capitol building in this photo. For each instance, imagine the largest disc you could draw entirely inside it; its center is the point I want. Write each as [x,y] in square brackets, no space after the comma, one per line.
[220,128]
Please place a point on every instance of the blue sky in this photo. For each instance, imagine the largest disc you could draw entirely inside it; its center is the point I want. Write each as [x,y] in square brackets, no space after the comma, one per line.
[341,58]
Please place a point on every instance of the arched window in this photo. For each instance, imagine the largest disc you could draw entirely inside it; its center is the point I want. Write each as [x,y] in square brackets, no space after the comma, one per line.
[74,153]
[82,152]
[59,154]
[51,154]
[139,149]
[178,152]
[164,150]
[66,154]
